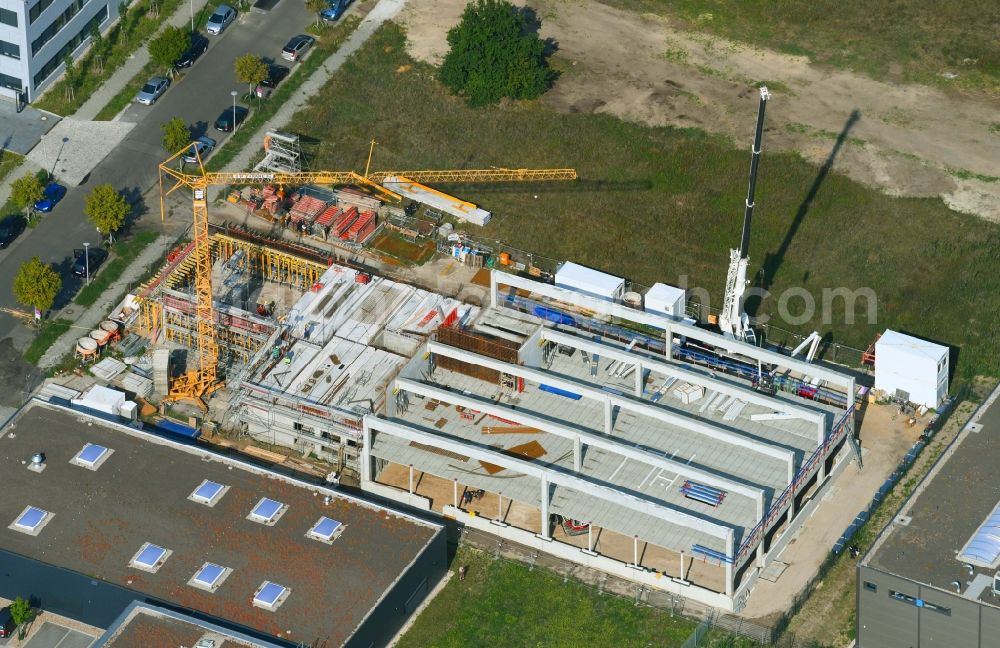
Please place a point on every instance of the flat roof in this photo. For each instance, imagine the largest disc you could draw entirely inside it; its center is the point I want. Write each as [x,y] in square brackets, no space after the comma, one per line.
[140,494]
[911,345]
[947,509]
[153,627]
[577,277]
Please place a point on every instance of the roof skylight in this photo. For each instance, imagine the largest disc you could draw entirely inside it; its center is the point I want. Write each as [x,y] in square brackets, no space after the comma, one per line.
[208,493]
[150,557]
[325,530]
[270,595]
[267,511]
[31,520]
[91,456]
[209,577]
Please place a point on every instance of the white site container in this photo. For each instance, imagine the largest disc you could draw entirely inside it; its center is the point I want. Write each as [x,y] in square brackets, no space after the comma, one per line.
[594,283]
[101,399]
[917,367]
[666,300]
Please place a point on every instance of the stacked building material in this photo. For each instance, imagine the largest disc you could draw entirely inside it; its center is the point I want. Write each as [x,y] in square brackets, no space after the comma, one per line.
[328,216]
[362,227]
[271,199]
[344,222]
[306,209]
[354,198]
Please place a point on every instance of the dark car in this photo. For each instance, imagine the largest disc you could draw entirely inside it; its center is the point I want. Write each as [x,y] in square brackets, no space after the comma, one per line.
[200,148]
[231,118]
[335,10]
[82,263]
[199,45]
[53,193]
[297,47]
[7,625]
[10,228]
[275,74]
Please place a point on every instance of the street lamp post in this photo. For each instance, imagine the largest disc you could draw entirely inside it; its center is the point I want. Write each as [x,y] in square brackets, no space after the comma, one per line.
[191,7]
[86,260]
[235,124]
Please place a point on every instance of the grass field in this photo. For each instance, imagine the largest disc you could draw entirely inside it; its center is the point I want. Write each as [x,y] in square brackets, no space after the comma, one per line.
[50,331]
[907,40]
[502,603]
[654,204]
[399,248]
[125,251]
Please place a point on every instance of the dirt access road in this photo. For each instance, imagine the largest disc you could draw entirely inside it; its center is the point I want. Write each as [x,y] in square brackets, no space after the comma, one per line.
[907,140]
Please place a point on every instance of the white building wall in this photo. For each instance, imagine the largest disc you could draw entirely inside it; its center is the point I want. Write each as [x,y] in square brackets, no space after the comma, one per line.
[39,69]
[915,366]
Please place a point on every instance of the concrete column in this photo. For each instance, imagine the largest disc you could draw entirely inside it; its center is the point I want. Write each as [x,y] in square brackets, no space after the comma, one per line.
[608,420]
[577,453]
[729,565]
[493,288]
[760,551]
[635,551]
[366,451]
[454,490]
[682,565]
[544,535]
[590,540]
[499,507]
[669,339]
[638,379]
[411,479]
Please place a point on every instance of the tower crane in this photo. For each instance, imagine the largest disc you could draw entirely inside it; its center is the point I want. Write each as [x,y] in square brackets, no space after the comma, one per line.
[733,320]
[201,381]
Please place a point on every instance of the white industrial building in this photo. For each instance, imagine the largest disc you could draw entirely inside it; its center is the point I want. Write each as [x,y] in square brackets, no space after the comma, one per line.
[587,281]
[912,369]
[541,419]
[37,35]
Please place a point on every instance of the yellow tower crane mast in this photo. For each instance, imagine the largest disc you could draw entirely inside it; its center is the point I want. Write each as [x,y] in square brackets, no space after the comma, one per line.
[202,381]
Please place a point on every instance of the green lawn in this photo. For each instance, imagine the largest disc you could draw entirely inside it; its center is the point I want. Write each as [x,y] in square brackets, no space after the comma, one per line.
[8,163]
[908,40]
[50,331]
[502,603]
[124,252]
[658,204]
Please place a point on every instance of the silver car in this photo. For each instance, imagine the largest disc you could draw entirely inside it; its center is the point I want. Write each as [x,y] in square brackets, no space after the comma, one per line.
[203,145]
[152,90]
[224,14]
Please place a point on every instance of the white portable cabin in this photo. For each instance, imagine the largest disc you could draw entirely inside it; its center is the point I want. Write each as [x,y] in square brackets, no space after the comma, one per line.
[913,366]
[582,279]
[666,300]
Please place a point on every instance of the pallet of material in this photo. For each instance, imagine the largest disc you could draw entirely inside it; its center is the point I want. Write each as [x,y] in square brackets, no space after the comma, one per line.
[306,208]
[689,393]
[362,227]
[513,429]
[328,216]
[344,221]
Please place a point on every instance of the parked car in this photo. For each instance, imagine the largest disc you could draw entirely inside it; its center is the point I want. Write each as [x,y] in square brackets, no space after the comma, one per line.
[7,625]
[199,45]
[275,74]
[231,118]
[52,194]
[297,47]
[10,228]
[224,14]
[152,90]
[203,145]
[335,11]
[96,256]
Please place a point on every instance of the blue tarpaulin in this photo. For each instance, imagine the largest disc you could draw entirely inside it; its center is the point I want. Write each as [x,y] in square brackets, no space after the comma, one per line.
[179,429]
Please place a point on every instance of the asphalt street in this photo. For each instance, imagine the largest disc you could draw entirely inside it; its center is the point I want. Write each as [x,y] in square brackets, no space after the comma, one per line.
[198,98]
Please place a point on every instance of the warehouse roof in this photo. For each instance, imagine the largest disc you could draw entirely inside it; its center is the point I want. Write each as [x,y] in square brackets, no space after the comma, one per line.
[188,527]
[149,626]
[946,511]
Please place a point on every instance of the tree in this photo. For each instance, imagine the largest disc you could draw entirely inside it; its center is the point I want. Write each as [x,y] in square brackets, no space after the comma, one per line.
[316,6]
[176,135]
[106,209]
[70,74]
[26,191]
[167,48]
[36,284]
[491,56]
[97,46]
[21,613]
[251,69]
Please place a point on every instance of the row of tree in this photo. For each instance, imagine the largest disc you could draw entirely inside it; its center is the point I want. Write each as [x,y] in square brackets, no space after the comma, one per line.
[37,284]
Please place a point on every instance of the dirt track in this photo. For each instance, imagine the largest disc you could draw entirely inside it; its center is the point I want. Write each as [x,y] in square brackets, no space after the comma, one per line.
[907,141]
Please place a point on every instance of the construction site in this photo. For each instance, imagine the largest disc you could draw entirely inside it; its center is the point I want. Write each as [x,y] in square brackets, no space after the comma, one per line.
[567,410]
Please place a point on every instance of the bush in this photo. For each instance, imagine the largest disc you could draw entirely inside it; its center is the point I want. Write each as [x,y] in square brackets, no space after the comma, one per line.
[491,56]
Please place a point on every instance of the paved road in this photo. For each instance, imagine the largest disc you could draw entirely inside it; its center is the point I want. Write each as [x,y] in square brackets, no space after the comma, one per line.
[132,167]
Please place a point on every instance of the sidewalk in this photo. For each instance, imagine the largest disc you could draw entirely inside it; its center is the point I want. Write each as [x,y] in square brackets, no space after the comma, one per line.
[91,317]
[27,166]
[120,78]
[383,11]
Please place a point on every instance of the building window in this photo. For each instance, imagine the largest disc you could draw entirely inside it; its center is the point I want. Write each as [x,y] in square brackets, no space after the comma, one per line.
[56,26]
[37,10]
[68,48]
[10,49]
[8,81]
[920,603]
[8,17]
[871,587]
